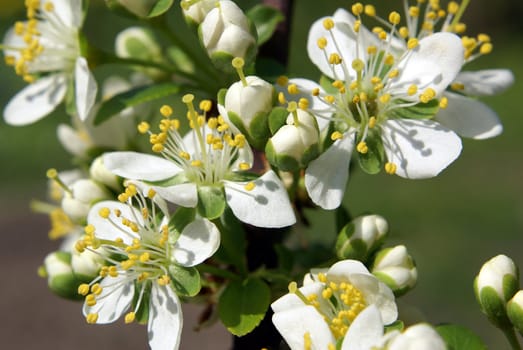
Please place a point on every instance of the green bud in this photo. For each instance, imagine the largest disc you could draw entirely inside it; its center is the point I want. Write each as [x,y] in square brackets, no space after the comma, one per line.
[396,268]
[515,311]
[84,192]
[359,238]
[140,8]
[60,277]
[496,283]
[195,13]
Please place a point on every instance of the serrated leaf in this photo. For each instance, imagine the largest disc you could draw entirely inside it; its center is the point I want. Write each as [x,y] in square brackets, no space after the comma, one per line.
[211,201]
[418,111]
[233,243]
[265,19]
[460,338]
[133,97]
[160,7]
[243,305]
[185,280]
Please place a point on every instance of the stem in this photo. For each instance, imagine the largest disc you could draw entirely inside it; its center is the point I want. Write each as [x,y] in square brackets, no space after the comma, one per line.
[461,10]
[512,338]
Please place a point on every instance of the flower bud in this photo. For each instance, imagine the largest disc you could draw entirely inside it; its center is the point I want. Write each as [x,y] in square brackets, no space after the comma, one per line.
[195,13]
[87,264]
[295,144]
[98,172]
[226,33]
[515,311]
[418,336]
[359,238]
[396,268]
[84,193]
[139,43]
[140,8]
[60,277]
[495,284]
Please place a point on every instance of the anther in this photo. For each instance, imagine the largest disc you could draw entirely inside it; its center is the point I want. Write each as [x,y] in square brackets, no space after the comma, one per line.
[328,23]
[249,186]
[166,111]
[390,168]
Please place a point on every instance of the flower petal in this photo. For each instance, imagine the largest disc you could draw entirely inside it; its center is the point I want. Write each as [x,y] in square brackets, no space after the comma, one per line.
[185,194]
[326,176]
[419,148]
[266,205]
[469,118]
[36,100]
[198,241]
[342,270]
[165,318]
[85,88]
[71,140]
[485,82]
[434,63]
[140,166]
[365,332]
[112,227]
[293,324]
[116,297]
[70,12]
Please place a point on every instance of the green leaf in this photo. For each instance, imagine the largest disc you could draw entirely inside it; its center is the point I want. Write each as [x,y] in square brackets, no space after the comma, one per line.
[460,338]
[265,19]
[233,243]
[372,162]
[211,201]
[185,280]
[133,97]
[277,118]
[160,7]
[243,305]
[418,111]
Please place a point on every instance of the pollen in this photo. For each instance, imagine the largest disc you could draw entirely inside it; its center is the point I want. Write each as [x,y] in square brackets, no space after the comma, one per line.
[362,147]
[412,90]
[83,289]
[394,18]
[281,98]
[104,212]
[249,186]
[143,127]
[205,105]
[390,168]
[443,103]
[166,111]
[164,280]
[370,10]
[357,9]
[412,43]
[486,48]
[322,43]
[457,86]
[130,317]
[372,122]
[91,318]
[293,89]
[336,135]
[328,23]
[335,59]
[244,166]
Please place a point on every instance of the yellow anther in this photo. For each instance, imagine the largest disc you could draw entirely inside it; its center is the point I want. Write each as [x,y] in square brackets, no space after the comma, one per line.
[372,50]
[96,289]
[157,148]
[282,80]
[166,111]
[10,60]
[164,280]
[196,163]
[329,99]
[390,168]
[358,65]
[49,6]
[394,18]
[91,318]
[145,257]
[249,186]
[385,98]
[244,166]
[460,28]
[184,155]
[394,73]
[80,246]
[362,147]
[90,300]
[104,212]
[336,135]
[357,26]
[303,103]
[457,86]
[150,194]
[293,89]
[452,7]
[143,127]
[281,98]
[370,10]
[19,28]
[356,99]
[357,9]
[328,23]
[363,97]
[412,43]
[337,84]
[326,293]
[443,103]
[412,89]
[403,32]
[484,38]
[315,92]
[89,229]
[52,173]
[206,105]
[322,43]
[389,60]
[372,122]
[83,289]
[129,317]
[382,35]
[122,197]
[212,123]
[335,59]
[486,48]
[322,278]
[414,11]
[353,85]
[427,95]
[112,271]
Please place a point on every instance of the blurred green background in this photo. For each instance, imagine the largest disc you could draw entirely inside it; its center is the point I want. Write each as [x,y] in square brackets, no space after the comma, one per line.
[450,224]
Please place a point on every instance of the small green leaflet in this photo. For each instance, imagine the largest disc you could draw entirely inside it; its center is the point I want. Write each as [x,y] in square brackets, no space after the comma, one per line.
[133,97]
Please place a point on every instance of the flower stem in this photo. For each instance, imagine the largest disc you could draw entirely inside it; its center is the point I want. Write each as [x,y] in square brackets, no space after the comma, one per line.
[512,338]
[458,15]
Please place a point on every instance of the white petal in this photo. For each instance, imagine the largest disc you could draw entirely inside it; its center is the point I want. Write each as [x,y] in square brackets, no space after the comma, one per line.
[36,100]
[419,148]
[326,176]
[112,227]
[185,194]
[485,82]
[267,205]
[434,63]
[140,166]
[199,240]
[295,323]
[71,140]
[365,332]
[165,318]
[85,88]
[287,302]
[69,11]
[418,337]
[469,118]
[342,270]
[116,297]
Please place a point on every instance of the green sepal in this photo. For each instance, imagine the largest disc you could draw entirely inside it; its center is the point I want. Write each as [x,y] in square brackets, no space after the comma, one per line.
[137,49]
[515,315]
[142,313]
[238,122]
[211,201]
[221,96]
[373,161]
[181,218]
[177,179]
[418,111]
[493,306]
[65,286]
[259,130]
[347,248]
[391,283]
[233,243]
[160,7]
[185,280]
[310,154]
[397,325]
[265,19]
[510,285]
[243,305]
[133,97]
[277,119]
[460,338]
[70,98]
[281,161]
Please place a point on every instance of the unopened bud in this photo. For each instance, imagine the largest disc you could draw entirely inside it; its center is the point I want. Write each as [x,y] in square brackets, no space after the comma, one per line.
[359,238]
[396,268]
[515,311]
[60,277]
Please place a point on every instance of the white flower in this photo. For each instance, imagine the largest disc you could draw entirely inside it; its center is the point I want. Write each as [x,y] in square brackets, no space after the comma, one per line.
[195,11]
[80,196]
[208,162]
[381,104]
[145,252]
[324,309]
[48,44]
